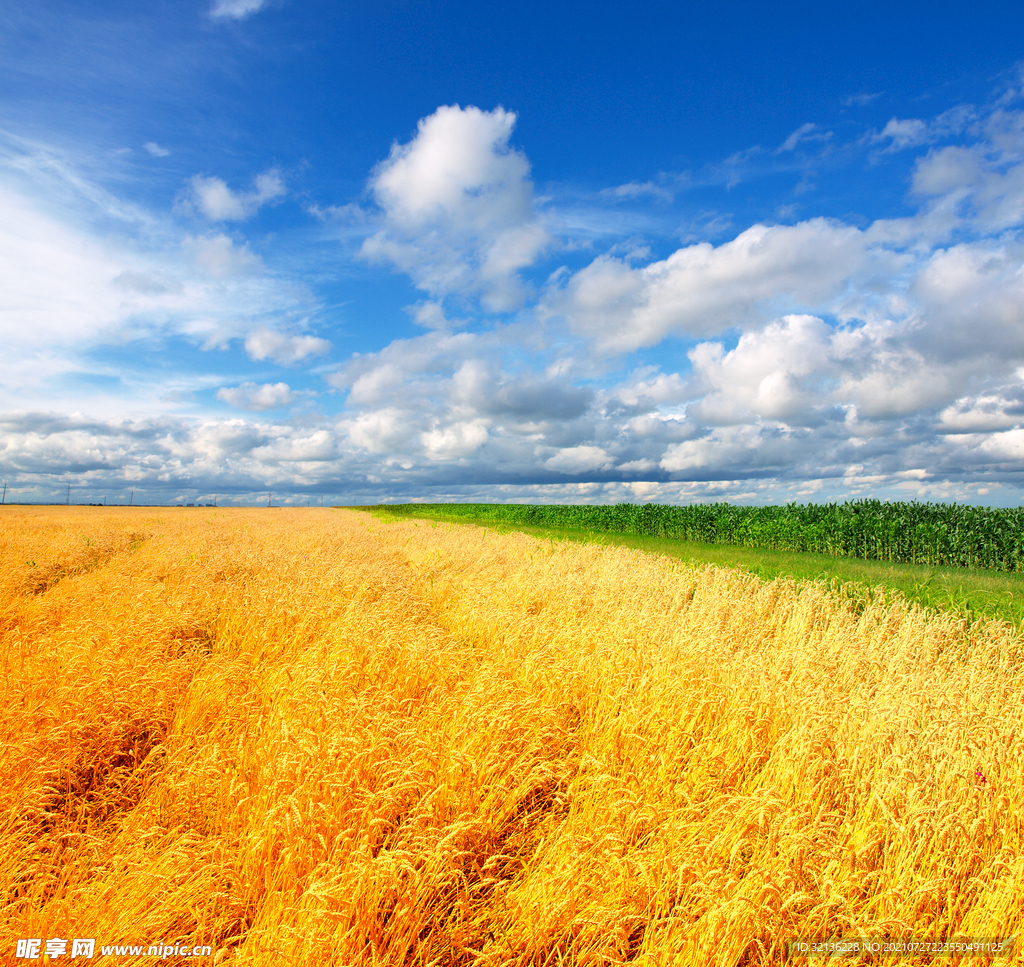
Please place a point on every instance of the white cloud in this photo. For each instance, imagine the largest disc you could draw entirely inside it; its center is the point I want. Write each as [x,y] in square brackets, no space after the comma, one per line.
[155,150]
[743,448]
[455,441]
[1005,446]
[951,169]
[806,132]
[236,9]
[381,431]
[216,201]
[458,208]
[882,376]
[983,414]
[580,459]
[431,315]
[903,134]
[282,349]
[141,283]
[637,189]
[972,297]
[72,286]
[874,357]
[308,451]
[431,353]
[218,257]
[249,396]
[775,374]
[379,385]
[219,203]
[650,385]
[913,132]
[700,290]
[56,279]
[519,399]
[983,182]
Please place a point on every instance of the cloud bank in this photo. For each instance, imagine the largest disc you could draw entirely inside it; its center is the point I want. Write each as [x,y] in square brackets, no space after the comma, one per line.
[820,358]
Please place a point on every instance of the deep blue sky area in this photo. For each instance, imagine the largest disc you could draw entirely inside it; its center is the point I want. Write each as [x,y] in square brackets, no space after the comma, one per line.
[602,94]
[578,252]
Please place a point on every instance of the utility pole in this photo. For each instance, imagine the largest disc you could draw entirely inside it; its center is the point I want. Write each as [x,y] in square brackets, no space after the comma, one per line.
[68,500]
[4,501]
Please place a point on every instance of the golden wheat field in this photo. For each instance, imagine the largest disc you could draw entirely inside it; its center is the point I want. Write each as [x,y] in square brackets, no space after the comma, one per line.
[310,737]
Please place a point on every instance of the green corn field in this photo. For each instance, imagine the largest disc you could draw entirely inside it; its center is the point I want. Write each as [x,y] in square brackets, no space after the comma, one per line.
[942,535]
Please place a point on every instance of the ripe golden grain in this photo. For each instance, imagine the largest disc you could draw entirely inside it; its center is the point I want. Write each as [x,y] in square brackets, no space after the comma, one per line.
[307,737]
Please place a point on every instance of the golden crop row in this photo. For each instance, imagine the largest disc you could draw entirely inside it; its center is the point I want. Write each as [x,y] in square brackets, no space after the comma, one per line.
[309,737]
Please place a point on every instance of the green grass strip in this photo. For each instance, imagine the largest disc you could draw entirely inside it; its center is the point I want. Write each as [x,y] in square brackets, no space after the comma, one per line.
[970,593]
[941,535]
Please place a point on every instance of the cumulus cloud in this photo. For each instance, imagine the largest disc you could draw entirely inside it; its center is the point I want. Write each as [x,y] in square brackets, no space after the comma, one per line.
[480,386]
[972,299]
[380,384]
[576,460]
[741,451]
[981,414]
[775,374]
[381,431]
[873,389]
[457,204]
[217,202]
[250,396]
[454,441]
[702,289]
[283,349]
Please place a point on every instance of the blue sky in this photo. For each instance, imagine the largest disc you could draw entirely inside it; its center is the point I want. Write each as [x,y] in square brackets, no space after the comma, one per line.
[572,252]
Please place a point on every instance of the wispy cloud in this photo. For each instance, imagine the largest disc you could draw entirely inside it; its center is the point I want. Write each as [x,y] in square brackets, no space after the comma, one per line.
[86,273]
[860,100]
[218,257]
[806,132]
[913,132]
[236,9]
[637,189]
